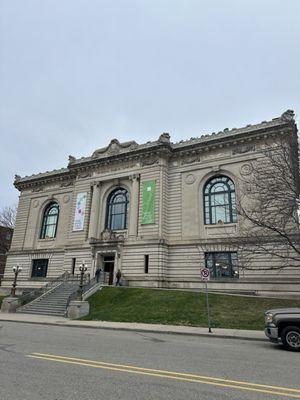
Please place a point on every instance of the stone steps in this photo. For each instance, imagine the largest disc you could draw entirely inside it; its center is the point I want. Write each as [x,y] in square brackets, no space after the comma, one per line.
[53,303]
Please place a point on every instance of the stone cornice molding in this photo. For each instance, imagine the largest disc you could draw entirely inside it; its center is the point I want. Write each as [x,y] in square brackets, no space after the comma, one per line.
[34,182]
[148,154]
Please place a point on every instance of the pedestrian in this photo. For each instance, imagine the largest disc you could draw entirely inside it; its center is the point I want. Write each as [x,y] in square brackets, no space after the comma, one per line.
[97,274]
[118,278]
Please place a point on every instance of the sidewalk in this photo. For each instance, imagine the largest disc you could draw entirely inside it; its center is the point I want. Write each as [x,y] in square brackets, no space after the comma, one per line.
[126,326]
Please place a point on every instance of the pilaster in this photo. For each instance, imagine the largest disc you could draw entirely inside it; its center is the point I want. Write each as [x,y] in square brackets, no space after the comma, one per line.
[95,207]
[134,205]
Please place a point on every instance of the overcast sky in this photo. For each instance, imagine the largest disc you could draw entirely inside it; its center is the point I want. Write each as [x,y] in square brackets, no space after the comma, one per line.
[75,73]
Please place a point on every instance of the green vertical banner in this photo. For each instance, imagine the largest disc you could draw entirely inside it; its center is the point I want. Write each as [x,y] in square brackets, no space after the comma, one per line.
[148,210]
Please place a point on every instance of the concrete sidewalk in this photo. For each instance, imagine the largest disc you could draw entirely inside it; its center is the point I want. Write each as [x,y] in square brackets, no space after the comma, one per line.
[126,326]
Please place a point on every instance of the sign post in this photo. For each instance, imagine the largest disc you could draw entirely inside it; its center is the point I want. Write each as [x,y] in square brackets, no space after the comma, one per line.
[205,276]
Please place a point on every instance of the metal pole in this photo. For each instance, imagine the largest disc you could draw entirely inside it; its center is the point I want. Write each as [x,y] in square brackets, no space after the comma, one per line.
[207,307]
[13,291]
[81,285]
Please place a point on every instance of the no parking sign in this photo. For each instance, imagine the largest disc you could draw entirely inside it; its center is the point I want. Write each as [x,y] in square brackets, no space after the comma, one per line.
[205,274]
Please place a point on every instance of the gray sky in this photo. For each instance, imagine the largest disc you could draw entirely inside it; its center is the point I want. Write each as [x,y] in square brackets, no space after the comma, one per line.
[75,73]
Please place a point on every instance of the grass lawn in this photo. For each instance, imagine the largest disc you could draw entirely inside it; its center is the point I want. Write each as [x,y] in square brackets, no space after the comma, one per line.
[181,308]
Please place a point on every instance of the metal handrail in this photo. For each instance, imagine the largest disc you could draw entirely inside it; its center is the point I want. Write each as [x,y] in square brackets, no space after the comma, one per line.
[35,293]
[103,278]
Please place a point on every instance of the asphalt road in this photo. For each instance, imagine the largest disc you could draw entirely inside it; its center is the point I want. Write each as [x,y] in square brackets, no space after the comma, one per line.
[39,362]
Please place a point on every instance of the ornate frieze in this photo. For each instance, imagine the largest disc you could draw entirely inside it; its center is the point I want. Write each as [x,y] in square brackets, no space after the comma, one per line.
[66,184]
[37,189]
[243,149]
[115,166]
[190,160]
[150,161]
[83,175]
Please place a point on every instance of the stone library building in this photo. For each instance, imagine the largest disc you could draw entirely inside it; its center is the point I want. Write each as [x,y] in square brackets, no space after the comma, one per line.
[159,212]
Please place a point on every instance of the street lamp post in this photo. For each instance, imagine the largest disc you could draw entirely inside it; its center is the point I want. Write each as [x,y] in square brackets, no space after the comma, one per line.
[16,270]
[82,269]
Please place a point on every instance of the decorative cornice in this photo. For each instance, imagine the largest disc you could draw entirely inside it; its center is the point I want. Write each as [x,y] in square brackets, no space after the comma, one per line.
[148,154]
[34,182]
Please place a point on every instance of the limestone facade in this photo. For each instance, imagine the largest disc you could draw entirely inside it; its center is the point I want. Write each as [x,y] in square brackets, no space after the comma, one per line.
[171,249]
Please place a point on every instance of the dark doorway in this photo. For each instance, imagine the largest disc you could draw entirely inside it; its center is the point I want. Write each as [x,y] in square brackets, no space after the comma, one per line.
[73,266]
[108,267]
[39,268]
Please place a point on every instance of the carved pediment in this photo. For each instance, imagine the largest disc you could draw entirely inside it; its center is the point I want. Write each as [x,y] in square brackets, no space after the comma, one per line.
[115,147]
[108,235]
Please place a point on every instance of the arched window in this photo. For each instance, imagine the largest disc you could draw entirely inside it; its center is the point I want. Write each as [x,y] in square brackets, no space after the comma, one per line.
[219,201]
[50,220]
[117,210]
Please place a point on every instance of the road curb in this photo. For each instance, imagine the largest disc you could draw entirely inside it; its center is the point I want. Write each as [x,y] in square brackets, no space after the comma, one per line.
[150,330]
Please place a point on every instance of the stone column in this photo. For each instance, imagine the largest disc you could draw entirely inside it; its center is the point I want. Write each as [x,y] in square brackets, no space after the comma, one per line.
[94,215]
[134,205]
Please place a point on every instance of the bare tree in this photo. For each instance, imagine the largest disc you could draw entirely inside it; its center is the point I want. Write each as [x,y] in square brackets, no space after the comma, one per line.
[268,208]
[8,216]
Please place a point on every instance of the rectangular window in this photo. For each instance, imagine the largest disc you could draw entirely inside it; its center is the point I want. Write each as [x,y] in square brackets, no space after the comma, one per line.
[146,263]
[39,268]
[222,264]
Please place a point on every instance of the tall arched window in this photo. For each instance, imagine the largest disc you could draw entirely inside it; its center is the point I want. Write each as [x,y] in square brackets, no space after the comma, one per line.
[219,201]
[50,220]
[117,210]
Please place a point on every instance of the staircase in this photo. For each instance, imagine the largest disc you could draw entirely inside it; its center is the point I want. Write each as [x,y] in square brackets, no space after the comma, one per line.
[54,302]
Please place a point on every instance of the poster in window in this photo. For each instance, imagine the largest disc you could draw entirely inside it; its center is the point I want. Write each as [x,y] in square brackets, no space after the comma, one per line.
[148,210]
[79,212]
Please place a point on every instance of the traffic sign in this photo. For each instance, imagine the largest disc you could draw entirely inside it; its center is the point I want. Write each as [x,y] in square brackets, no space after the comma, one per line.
[205,274]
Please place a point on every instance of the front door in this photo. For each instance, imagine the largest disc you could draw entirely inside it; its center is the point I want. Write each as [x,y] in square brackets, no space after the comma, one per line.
[108,266]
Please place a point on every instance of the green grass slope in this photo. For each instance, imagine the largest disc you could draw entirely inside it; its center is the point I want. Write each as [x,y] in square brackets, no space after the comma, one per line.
[181,308]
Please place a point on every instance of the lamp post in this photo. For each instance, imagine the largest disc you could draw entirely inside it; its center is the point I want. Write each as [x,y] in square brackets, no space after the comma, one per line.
[16,270]
[82,269]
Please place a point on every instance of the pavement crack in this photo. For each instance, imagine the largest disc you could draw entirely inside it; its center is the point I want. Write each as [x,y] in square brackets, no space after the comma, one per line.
[150,338]
[6,347]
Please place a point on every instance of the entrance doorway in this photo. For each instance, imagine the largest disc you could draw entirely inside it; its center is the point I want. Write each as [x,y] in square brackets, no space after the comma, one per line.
[108,267]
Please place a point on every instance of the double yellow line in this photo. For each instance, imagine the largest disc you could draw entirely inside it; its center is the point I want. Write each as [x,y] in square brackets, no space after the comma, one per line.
[207,380]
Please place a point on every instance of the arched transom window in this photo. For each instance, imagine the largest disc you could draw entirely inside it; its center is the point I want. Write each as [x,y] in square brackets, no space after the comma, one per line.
[219,201]
[117,210]
[50,220]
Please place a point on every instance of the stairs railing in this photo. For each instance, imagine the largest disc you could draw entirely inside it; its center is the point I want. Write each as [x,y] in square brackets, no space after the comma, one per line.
[102,279]
[35,293]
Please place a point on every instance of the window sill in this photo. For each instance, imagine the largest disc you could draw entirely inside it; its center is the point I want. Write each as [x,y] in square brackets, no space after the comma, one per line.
[229,224]
[224,279]
[46,240]
[39,278]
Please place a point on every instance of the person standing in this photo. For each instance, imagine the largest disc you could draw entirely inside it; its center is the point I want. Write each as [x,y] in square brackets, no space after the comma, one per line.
[118,278]
[97,274]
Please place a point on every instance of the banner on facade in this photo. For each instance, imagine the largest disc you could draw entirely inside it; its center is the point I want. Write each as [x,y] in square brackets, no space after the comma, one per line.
[148,209]
[79,212]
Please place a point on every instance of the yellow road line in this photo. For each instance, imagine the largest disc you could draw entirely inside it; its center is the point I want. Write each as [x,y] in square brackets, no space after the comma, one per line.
[280,391]
[168,372]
